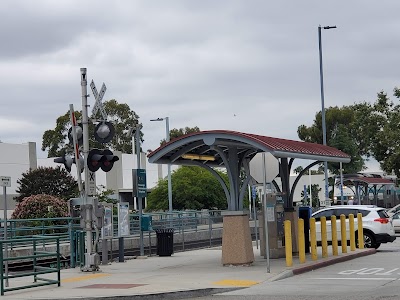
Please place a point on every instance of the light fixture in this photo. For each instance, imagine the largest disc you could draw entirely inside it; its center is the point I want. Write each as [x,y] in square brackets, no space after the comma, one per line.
[198,157]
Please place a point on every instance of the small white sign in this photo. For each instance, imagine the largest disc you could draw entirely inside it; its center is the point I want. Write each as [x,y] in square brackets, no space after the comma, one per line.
[123,219]
[92,183]
[5,181]
[270,214]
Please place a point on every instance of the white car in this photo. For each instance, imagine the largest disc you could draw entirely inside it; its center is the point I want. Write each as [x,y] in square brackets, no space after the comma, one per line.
[377,226]
[396,221]
[393,210]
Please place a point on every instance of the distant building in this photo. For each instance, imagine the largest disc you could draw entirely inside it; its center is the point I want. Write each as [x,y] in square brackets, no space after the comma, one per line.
[16,159]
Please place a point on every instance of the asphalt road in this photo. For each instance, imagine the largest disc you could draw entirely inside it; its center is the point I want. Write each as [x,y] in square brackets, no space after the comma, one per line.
[368,278]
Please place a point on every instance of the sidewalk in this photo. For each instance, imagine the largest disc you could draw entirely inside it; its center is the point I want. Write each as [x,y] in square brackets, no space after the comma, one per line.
[184,274]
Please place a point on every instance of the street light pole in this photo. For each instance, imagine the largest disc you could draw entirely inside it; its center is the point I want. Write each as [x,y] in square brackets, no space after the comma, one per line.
[168,138]
[321,76]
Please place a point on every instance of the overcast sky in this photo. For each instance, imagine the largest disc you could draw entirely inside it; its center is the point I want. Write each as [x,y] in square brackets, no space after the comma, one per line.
[249,66]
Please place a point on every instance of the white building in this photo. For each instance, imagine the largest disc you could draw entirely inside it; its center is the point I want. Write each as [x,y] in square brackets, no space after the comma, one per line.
[16,159]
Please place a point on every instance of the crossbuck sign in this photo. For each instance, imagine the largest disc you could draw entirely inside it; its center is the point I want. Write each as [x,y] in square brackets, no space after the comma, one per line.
[99,97]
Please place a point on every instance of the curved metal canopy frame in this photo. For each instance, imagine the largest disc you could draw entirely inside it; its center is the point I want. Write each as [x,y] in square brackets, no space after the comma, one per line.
[234,150]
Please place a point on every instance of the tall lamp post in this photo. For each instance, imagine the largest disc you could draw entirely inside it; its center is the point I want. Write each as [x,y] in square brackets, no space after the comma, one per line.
[321,76]
[169,165]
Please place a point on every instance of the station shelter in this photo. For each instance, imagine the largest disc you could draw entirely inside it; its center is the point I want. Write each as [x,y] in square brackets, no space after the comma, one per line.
[233,151]
[364,185]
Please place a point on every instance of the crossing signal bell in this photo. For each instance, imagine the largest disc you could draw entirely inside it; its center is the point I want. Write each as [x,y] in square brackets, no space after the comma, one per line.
[68,160]
[104,132]
[103,159]
[79,134]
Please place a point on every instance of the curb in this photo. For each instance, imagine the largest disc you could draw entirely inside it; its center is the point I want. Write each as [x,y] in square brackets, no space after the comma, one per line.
[332,260]
[320,264]
[169,295]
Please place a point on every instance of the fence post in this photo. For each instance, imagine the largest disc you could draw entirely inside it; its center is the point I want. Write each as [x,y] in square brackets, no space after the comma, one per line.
[324,238]
[313,239]
[210,228]
[121,249]
[58,262]
[360,231]
[302,244]
[104,251]
[288,243]
[352,233]
[343,233]
[334,236]
[34,261]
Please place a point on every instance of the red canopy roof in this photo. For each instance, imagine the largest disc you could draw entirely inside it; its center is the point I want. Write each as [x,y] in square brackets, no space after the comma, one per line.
[202,143]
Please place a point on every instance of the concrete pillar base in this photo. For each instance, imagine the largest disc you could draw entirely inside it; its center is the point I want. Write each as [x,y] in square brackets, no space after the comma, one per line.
[237,247]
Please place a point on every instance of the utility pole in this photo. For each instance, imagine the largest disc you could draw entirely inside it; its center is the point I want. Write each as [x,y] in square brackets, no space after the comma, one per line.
[321,76]
[90,257]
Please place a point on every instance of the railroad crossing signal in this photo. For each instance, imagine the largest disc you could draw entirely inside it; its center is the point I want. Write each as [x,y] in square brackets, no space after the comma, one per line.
[99,97]
[103,159]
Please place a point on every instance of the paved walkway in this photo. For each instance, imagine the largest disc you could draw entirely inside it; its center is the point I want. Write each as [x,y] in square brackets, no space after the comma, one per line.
[184,274]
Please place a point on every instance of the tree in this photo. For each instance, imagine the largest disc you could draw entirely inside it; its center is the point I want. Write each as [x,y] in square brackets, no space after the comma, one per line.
[56,142]
[175,133]
[40,206]
[46,180]
[386,144]
[339,125]
[315,189]
[341,139]
[193,188]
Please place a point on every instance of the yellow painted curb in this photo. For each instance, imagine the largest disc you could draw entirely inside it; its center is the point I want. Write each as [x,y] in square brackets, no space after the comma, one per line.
[85,277]
[241,283]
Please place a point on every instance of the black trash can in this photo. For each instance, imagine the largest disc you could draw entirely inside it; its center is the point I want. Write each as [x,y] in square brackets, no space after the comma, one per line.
[305,214]
[165,241]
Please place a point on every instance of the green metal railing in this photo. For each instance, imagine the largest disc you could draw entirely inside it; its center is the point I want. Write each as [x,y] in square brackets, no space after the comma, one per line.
[19,229]
[68,229]
[37,269]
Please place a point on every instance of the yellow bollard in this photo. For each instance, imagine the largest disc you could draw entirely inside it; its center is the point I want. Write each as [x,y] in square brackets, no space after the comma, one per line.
[334,236]
[302,245]
[352,233]
[324,238]
[288,243]
[343,233]
[360,231]
[313,239]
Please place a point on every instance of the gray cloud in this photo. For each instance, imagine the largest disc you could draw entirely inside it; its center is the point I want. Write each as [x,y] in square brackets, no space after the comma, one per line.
[198,62]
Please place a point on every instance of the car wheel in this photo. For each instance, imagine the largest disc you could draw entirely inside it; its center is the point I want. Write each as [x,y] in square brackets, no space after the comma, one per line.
[369,241]
[377,245]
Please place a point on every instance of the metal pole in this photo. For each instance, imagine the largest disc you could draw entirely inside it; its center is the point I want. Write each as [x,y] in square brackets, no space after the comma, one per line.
[255,220]
[5,236]
[266,235]
[85,125]
[137,133]
[309,177]
[135,205]
[321,76]
[169,168]
[341,184]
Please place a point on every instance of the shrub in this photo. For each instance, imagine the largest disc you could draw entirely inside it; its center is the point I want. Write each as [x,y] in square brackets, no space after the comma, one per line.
[40,206]
[46,180]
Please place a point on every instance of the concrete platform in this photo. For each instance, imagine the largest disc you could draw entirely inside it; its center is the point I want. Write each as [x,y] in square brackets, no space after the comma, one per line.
[182,275]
